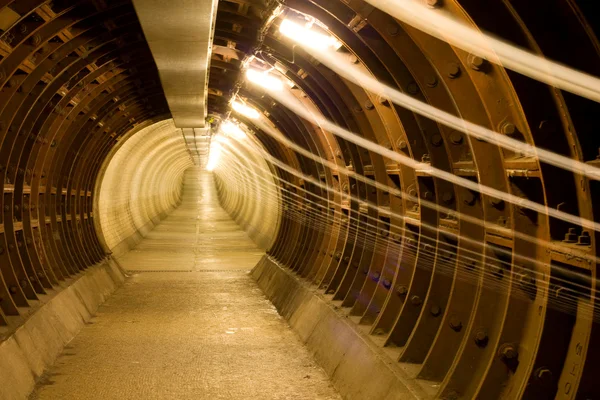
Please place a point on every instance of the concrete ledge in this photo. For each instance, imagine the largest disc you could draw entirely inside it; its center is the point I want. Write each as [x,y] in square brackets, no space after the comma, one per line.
[358,368]
[36,343]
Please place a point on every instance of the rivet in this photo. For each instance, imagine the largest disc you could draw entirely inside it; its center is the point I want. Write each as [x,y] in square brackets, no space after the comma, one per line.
[469,198]
[453,70]
[35,40]
[383,101]
[476,62]
[412,88]
[431,81]
[433,3]
[435,310]
[401,290]
[447,197]
[456,137]
[369,105]
[375,276]
[496,203]
[437,140]
[387,284]
[402,144]
[393,29]
[416,300]
[455,324]
[481,337]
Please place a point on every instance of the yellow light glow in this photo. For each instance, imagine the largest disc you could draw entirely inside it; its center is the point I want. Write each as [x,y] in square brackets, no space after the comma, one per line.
[307,36]
[245,110]
[215,156]
[231,129]
[264,79]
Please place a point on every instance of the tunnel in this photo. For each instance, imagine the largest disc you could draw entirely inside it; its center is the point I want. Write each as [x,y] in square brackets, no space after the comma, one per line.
[308,199]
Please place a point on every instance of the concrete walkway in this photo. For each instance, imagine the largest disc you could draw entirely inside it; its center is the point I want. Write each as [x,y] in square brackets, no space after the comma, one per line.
[190,323]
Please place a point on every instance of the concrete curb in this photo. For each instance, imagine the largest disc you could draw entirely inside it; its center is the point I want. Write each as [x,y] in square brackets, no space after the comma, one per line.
[34,346]
[358,368]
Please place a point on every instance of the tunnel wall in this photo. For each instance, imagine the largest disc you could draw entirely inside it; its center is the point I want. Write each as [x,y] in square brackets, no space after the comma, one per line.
[247,191]
[140,183]
[473,295]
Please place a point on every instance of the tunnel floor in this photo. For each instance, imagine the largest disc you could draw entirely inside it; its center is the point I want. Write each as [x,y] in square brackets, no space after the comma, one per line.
[190,323]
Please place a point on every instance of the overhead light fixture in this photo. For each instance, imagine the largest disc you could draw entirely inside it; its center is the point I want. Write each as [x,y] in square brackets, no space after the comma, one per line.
[307,36]
[264,79]
[245,110]
[233,130]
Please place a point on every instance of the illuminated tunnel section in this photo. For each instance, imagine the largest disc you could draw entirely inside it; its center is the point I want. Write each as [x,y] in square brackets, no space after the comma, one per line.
[247,189]
[89,160]
[140,184]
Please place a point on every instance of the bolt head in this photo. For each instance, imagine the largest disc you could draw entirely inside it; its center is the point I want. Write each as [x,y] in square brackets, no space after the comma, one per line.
[508,128]
[435,310]
[401,290]
[508,351]
[584,239]
[481,337]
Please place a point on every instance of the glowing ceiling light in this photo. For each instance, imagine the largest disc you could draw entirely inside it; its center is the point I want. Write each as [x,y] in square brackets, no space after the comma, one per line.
[214,157]
[264,79]
[233,130]
[307,36]
[245,110]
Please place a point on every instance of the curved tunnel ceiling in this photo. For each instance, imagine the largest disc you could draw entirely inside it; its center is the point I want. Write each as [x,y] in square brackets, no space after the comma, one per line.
[461,306]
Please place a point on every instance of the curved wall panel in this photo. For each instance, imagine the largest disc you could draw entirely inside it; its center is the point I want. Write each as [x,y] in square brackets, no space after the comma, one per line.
[248,192]
[140,183]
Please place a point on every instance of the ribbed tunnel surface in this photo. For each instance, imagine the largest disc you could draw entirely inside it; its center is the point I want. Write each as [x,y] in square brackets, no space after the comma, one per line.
[190,323]
[427,197]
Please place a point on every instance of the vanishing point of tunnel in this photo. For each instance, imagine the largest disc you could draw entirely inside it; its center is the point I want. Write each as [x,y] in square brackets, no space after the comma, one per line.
[299,199]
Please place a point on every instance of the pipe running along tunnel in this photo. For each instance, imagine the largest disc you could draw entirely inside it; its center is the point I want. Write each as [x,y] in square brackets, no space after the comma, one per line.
[348,139]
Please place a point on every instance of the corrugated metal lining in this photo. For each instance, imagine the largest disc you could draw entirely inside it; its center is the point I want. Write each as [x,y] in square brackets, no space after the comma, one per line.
[180,35]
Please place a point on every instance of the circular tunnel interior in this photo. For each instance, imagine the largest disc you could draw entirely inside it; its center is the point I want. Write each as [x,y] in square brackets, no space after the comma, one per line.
[469,262]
